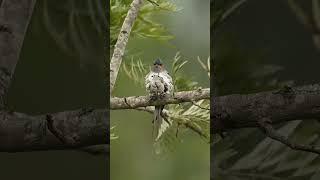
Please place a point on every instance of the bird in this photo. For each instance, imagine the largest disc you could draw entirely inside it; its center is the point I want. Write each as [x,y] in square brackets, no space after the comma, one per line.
[159,85]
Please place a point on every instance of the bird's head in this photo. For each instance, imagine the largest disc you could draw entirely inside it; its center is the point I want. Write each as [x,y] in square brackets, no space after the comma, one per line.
[157,66]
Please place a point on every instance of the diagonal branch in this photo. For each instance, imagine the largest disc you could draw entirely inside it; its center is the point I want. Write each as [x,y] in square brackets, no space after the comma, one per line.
[301,15]
[134,102]
[14,19]
[310,22]
[227,12]
[122,41]
[267,128]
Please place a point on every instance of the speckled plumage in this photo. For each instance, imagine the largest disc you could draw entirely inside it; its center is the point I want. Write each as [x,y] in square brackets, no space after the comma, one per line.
[158,85]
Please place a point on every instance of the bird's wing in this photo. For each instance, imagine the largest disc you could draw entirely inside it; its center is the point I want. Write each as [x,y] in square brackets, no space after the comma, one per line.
[147,81]
[169,77]
[167,80]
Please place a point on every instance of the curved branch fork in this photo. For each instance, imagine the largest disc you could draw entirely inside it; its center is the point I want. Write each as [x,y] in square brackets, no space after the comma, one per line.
[134,102]
[266,108]
[266,127]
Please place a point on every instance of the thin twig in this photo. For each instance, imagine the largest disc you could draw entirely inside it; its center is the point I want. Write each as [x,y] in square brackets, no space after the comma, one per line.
[311,23]
[153,2]
[149,109]
[265,125]
[227,13]
[194,103]
[300,14]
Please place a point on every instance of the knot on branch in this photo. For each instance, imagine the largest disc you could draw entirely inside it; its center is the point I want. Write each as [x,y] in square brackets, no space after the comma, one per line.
[65,131]
[5,28]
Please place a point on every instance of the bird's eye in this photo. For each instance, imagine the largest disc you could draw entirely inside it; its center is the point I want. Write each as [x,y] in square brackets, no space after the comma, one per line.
[152,76]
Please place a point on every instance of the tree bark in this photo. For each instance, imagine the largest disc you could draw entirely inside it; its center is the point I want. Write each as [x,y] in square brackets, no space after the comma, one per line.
[22,132]
[144,101]
[243,111]
[122,41]
[14,19]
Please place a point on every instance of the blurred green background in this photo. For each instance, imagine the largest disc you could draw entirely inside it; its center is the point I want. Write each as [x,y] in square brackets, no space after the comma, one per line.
[132,154]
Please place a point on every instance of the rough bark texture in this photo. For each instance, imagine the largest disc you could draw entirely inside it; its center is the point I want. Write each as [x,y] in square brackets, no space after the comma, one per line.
[122,41]
[143,101]
[22,132]
[14,19]
[287,104]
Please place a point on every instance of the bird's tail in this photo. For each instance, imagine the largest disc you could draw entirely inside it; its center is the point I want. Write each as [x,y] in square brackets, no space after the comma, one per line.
[157,121]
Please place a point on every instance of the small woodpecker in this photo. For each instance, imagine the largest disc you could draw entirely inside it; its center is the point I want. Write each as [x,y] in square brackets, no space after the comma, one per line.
[159,86]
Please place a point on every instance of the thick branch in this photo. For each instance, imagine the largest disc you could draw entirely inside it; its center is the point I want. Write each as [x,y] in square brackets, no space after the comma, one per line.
[287,104]
[143,101]
[122,41]
[22,132]
[14,19]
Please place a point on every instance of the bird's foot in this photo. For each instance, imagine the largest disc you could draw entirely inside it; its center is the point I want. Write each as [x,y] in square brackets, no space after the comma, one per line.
[152,98]
[163,95]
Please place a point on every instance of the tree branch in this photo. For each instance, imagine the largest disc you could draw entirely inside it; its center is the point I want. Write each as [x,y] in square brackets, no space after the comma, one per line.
[22,132]
[266,108]
[14,19]
[243,111]
[267,128]
[122,41]
[228,11]
[310,22]
[144,101]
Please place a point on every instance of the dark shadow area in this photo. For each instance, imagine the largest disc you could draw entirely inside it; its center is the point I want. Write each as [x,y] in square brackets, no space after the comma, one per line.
[262,46]
[61,67]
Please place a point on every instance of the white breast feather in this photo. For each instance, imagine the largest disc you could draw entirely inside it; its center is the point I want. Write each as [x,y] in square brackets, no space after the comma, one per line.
[166,79]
